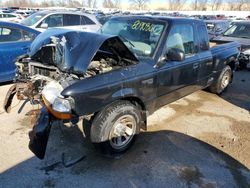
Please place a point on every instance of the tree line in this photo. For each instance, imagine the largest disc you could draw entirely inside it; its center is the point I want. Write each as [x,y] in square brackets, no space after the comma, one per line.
[138,4]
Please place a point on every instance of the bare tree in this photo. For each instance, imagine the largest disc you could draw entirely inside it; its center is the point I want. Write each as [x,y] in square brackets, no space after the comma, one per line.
[15,3]
[139,4]
[200,5]
[111,4]
[238,5]
[117,3]
[108,4]
[83,3]
[94,4]
[44,4]
[195,5]
[61,3]
[243,4]
[232,5]
[91,3]
[216,4]
[176,4]
[73,3]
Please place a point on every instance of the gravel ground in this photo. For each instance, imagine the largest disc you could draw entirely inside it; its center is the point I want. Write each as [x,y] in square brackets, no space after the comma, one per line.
[202,140]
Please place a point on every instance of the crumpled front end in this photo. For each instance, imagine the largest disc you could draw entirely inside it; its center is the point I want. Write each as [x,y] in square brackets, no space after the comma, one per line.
[244,58]
[56,61]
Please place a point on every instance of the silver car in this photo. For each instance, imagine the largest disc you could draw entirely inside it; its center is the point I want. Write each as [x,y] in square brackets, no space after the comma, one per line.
[10,17]
[43,20]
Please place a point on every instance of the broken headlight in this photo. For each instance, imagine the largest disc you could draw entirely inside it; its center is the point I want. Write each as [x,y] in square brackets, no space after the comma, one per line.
[246,51]
[61,105]
[57,105]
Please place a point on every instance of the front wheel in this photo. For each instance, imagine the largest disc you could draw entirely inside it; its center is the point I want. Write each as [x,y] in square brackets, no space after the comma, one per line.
[114,129]
[222,82]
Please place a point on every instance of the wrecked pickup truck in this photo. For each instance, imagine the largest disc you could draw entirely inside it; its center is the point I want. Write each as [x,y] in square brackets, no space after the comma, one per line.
[118,76]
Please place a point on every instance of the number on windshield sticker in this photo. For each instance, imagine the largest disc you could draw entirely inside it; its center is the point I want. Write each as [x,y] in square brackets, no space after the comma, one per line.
[143,26]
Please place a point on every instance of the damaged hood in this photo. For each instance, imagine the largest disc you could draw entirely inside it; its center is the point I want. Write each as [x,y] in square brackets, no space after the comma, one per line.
[74,50]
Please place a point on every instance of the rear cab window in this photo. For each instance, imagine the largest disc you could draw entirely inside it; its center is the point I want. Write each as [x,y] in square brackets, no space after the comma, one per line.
[210,27]
[181,36]
[203,38]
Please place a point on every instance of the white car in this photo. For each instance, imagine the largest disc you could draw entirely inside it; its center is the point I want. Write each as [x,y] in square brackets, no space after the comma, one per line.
[10,17]
[43,20]
[24,13]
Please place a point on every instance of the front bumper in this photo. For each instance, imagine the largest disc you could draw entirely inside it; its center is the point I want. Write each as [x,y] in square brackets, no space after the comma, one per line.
[40,133]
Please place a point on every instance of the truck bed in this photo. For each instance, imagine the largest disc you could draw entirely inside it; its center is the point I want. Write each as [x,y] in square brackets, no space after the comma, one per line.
[220,48]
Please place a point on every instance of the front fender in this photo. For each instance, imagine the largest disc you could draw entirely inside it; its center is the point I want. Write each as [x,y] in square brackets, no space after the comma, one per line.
[124,93]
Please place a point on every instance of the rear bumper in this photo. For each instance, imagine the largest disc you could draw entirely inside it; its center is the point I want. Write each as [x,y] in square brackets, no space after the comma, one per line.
[40,134]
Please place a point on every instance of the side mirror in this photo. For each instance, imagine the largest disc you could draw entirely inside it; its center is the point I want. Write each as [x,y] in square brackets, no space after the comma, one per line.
[175,54]
[44,25]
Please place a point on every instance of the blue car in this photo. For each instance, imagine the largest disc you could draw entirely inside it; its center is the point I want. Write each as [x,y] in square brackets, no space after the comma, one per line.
[15,40]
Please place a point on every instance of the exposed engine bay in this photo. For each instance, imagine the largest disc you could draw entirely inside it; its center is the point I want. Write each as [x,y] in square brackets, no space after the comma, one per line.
[43,74]
[30,70]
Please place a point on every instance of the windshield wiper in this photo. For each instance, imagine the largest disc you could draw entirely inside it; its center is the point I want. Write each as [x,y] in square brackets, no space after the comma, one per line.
[127,40]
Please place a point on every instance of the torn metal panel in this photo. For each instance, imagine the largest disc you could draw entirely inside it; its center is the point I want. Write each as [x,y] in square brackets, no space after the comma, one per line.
[9,98]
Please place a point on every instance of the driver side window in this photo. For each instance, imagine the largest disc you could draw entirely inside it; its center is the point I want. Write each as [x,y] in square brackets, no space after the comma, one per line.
[181,37]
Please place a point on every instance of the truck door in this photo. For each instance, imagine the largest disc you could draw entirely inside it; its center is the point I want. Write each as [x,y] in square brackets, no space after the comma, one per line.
[205,55]
[178,78]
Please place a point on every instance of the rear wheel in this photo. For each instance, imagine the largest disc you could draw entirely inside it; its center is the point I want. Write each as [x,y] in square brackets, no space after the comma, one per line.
[223,81]
[114,129]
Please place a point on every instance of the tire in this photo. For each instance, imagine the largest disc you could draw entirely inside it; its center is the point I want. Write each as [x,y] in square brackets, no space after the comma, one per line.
[114,129]
[222,82]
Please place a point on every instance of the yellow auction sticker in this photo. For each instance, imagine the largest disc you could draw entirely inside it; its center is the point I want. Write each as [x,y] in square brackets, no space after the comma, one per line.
[143,26]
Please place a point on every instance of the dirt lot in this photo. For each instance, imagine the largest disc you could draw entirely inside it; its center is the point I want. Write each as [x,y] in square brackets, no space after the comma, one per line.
[202,140]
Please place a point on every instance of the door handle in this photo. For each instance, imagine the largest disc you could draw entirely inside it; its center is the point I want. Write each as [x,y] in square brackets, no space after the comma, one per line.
[195,65]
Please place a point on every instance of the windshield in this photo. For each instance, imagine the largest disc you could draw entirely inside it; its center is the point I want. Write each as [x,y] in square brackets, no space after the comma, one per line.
[32,19]
[238,30]
[141,36]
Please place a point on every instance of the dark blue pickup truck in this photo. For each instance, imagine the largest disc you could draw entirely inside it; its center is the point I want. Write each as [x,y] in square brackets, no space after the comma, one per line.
[118,76]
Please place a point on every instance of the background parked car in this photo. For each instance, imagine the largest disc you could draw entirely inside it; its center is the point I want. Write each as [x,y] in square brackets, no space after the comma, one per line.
[24,13]
[15,40]
[11,17]
[72,20]
[216,27]
[239,32]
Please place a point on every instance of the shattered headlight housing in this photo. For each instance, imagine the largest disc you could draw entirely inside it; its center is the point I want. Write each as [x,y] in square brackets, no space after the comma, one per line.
[61,105]
[246,51]
[56,104]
